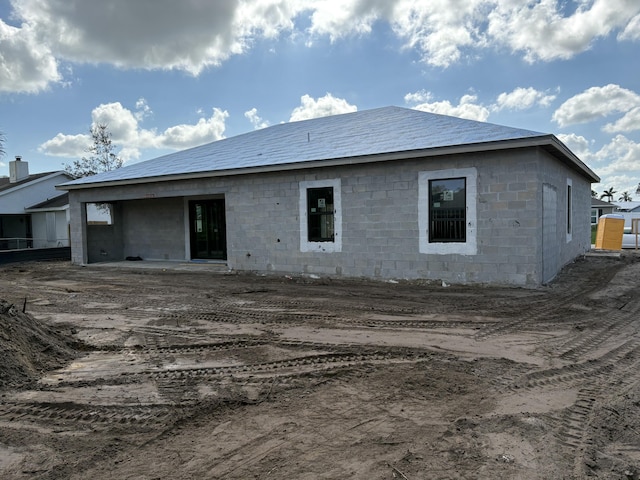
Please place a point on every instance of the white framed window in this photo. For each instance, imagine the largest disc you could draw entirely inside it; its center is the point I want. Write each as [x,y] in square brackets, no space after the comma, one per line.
[447,213]
[321,216]
[569,210]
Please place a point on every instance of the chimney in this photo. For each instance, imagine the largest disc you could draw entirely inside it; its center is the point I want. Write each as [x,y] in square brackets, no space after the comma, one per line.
[18,170]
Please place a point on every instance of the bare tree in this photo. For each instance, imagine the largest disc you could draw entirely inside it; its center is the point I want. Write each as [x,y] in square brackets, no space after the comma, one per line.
[102,158]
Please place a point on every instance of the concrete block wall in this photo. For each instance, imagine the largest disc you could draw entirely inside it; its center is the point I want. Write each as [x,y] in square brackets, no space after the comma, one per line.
[556,174]
[379,213]
[380,222]
[105,242]
[161,222]
[77,229]
[509,206]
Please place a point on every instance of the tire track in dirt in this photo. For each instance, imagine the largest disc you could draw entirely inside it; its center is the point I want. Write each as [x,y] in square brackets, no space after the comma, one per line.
[75,414]
[178,387]
[605,329]
[251,315]
[578,373]
[597,379]
[302,365]
[553,308]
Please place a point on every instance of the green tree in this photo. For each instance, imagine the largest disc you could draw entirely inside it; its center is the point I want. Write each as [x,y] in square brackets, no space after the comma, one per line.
[594,194]
[608,193]
[102,158]
[625,197]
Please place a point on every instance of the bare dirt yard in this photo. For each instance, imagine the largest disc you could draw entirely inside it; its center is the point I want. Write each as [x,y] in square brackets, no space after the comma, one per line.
[197,373]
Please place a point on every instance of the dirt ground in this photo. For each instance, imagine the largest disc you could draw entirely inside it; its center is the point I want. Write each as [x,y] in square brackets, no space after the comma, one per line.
[143,373]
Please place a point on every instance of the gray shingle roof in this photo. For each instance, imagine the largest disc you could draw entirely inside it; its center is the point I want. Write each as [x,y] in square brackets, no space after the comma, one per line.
[368,132]
[5,182]
[55,202]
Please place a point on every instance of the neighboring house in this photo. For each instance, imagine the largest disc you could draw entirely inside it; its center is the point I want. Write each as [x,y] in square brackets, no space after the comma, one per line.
[33,213]
[599,208]
[628,210]
[384,193]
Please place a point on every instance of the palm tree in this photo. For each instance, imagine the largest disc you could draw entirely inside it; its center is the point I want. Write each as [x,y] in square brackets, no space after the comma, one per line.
[625,197]
[2,140]
[594,194]
[608,193]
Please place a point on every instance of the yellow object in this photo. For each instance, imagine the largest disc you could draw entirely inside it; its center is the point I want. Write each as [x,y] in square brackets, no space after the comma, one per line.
[609,232]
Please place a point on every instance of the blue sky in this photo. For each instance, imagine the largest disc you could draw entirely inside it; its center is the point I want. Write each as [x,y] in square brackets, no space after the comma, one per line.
[166,75]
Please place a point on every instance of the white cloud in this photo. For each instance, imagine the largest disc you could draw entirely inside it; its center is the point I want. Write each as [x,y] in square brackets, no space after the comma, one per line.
[522,99]
[255,119]
[193,36]
[632,30]
[67,145]
[338,19]
[121,121]
[127,134]
[629,122]
[434,28]
[594,103]
[620,155]
[442,31]
[439,30]
[322,107]
[467,107]
[188,36]
[542,32]
[578,145]
[187,135]
[26,64]
[617,162]
[142,109]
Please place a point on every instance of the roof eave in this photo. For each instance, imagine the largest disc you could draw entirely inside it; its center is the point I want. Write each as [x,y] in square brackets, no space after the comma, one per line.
[30,183]
[537,141]
[561,148]
[47,209]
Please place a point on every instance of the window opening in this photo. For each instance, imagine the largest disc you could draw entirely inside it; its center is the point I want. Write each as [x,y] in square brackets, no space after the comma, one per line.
[320,214]
[569,209]
[447,210]
[99,214]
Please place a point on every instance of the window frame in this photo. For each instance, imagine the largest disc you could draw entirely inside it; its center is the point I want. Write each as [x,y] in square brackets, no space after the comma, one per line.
[569,212]
[470,245]
[448,218]
[324,246]
[322,213]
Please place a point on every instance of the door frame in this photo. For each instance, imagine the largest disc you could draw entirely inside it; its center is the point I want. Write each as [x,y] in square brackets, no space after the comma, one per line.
[190,254]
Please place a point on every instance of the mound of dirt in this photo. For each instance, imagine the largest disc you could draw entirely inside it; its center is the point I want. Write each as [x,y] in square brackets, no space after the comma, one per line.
[29,347]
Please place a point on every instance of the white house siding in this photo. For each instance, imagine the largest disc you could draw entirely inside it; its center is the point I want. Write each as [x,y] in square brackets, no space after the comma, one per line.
[15,201]
[50,229]
[379,214]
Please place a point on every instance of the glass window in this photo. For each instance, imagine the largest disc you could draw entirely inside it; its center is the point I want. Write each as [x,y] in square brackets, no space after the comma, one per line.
[447,210]
[320,214]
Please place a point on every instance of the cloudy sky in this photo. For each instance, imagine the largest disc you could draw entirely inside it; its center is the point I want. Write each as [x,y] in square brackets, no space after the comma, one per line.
[167,75]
